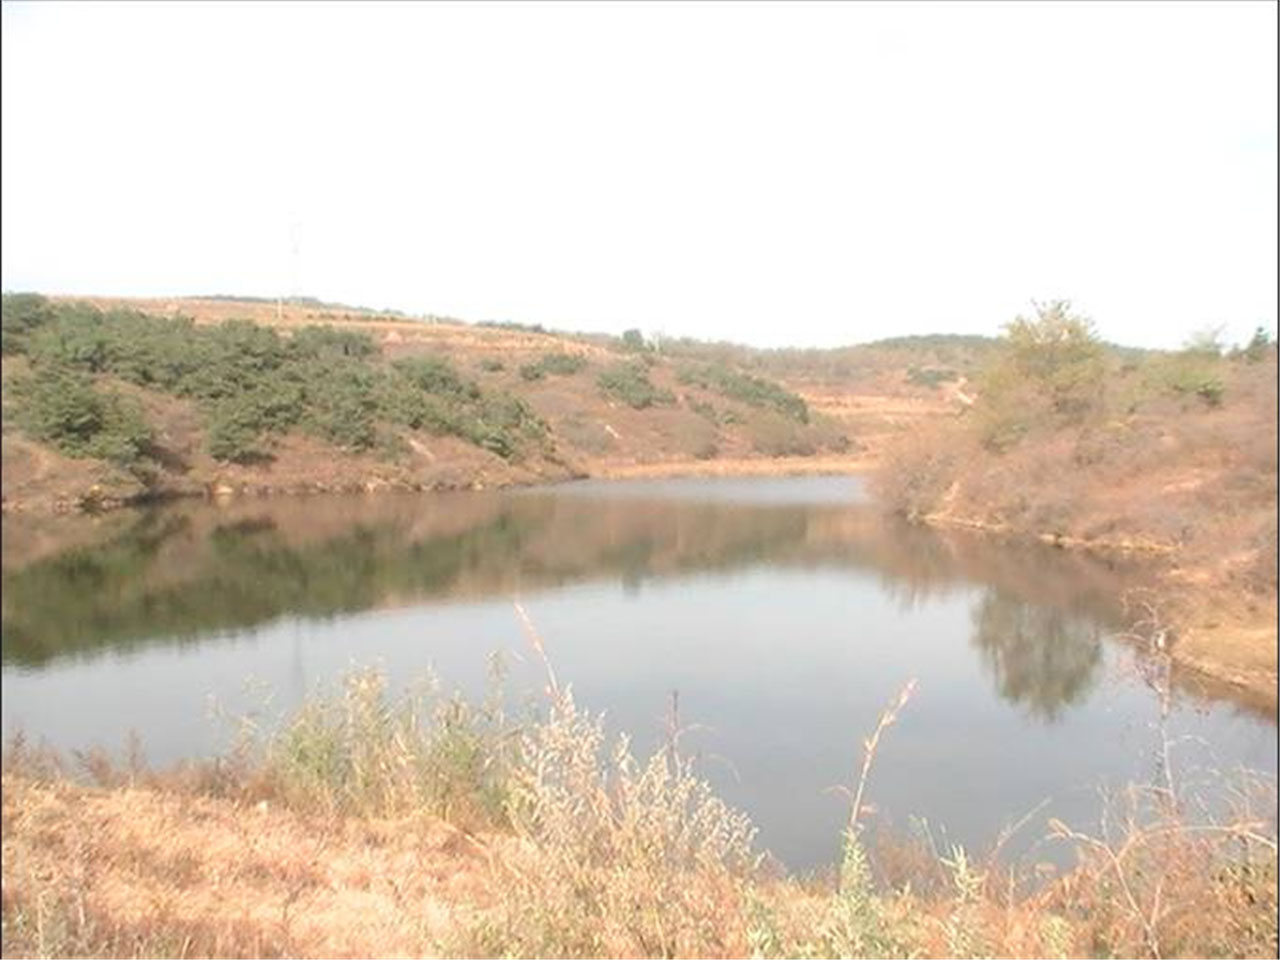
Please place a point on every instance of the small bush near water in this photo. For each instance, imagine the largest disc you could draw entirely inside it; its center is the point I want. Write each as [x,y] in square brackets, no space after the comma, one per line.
[581,850]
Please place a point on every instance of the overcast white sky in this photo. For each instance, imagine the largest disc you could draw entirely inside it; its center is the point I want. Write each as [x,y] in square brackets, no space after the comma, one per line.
[774,174]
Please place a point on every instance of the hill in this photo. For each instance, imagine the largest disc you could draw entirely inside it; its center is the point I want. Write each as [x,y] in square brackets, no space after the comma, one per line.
[111,400]
[1168,454]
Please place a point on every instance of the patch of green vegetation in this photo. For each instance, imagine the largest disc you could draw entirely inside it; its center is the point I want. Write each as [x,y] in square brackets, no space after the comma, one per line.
[1196,371]
[629,382]
[935,341]
[755,391]
[1048,372]
[556,364]
[633,341]
[1259,345]
[22,313]
[703,409]
[251,383]
[63,408]
[931,376]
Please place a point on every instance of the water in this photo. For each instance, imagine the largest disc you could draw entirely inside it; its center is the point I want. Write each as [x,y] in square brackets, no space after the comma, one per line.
[784,612]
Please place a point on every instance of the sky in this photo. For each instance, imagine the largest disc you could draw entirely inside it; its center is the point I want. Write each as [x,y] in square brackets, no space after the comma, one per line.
[802,174]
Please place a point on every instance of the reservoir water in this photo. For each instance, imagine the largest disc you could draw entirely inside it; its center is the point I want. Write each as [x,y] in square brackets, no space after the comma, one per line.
[782,614]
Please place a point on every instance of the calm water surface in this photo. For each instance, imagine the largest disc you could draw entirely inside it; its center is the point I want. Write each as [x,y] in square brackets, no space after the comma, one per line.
[784,612]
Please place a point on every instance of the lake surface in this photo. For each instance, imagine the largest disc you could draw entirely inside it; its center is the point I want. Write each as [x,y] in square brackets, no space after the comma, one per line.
[784,612]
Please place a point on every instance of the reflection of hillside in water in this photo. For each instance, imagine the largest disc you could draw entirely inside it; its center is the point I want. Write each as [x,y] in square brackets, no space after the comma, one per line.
[186,573]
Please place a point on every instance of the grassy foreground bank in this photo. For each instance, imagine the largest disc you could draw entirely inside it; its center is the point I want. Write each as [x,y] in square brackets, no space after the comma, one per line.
[421,825]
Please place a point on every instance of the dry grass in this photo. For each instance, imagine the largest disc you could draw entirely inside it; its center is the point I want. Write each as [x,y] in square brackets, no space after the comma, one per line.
[358,830]
[1148,470]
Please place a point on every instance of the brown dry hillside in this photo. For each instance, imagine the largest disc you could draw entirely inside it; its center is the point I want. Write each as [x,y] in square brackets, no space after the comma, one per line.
[1169,455]
[853,400]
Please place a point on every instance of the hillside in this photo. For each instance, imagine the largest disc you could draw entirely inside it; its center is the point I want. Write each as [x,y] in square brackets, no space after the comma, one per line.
[218,395]
[1169,455]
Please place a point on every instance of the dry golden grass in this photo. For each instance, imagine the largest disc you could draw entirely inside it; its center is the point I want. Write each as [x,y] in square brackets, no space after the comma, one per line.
[322,842]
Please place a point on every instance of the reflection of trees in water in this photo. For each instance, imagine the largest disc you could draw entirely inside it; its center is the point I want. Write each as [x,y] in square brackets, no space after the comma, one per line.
[1045,658]
[157,582]
[180,575]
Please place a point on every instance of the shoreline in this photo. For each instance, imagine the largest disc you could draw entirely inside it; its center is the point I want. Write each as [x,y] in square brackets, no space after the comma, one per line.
[1257,684]
[94,501]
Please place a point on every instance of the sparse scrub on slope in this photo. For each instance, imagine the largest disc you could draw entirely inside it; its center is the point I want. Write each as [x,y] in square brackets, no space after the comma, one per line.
[253,384]
[554,364]
[751,390]
[629,383]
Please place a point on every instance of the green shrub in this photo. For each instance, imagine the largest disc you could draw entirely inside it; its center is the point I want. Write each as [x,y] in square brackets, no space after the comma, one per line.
[1190,372]
[629,382]
[563,364]
[1258,346]
[703,409]
[250,382]
[77,339]
[322,341]
[930,376]
[63,408]
[1047,371]
[755,391]
[20,314]
[233,432]
[559,364]
[427,393]
[633,341]
[345,410]
[436,375]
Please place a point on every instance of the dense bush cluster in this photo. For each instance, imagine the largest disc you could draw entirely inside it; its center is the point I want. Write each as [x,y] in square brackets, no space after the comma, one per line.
[629,382]
[754,391]
[61,407]
[1048,372]
[557,364]
[249,381]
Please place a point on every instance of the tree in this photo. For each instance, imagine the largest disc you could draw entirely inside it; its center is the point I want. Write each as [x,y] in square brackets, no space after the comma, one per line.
[633,340]
[1258,345]
[1048,369]
[1206,342]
